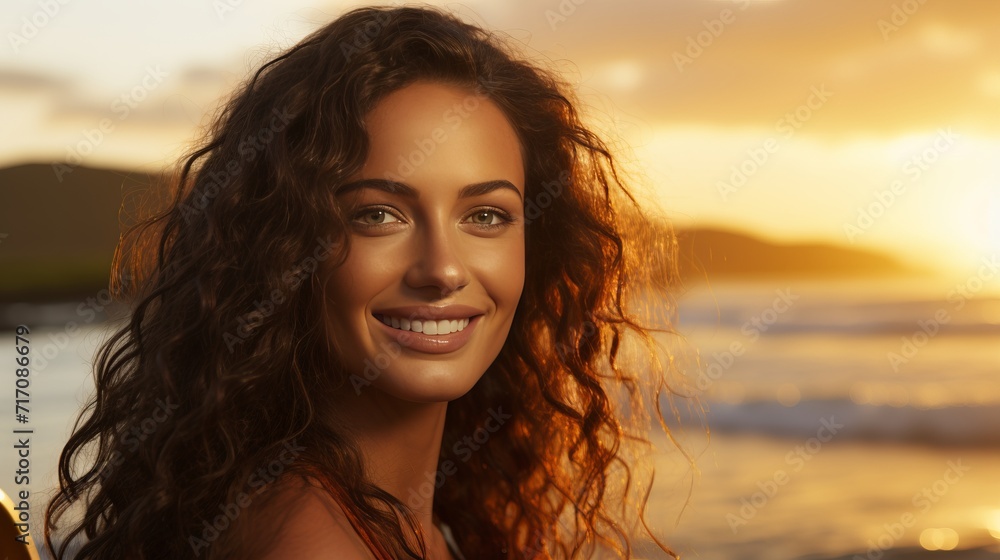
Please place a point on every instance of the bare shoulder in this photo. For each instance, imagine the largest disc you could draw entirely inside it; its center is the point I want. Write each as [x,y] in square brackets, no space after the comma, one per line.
[312,525]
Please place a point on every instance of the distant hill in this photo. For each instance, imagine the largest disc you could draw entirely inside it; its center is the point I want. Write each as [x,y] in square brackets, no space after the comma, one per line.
[58,238]
[713,253]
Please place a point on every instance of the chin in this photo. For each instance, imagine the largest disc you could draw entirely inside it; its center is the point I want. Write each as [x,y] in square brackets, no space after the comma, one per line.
[429,388]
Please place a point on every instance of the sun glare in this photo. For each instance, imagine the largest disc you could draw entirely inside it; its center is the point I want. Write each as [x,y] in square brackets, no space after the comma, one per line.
[939,539]
[977,221]
[993,523]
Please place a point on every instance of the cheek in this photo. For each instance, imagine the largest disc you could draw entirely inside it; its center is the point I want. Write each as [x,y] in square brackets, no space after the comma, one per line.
[503,275]
[353,285]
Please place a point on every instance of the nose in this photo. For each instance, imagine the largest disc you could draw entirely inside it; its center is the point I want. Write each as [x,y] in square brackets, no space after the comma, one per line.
[438,262]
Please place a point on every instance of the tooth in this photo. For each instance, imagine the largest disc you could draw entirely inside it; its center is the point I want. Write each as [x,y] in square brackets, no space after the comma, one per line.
[441,327]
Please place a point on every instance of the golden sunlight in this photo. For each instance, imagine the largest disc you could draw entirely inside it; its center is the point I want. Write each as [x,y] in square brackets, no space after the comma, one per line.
[993,523]
[939,539]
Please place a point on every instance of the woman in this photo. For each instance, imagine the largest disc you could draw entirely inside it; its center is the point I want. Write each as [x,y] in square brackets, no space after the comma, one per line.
[381,317]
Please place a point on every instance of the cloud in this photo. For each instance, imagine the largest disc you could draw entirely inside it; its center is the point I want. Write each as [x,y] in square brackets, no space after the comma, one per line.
[20,81]
[928,68]
[721,64]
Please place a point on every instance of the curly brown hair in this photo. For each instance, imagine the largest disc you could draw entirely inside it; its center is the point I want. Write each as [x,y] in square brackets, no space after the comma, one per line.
[226,322]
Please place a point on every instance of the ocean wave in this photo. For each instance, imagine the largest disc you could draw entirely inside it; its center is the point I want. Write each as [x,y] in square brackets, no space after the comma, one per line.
[918,554]
[967,317]
[888,328]
[977,426]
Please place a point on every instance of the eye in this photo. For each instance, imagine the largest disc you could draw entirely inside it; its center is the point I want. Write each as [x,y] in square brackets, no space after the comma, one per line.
[484,217]
[490,218]
[374,217]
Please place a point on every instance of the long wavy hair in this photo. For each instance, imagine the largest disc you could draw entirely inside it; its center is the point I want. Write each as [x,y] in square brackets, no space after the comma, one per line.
[213,387]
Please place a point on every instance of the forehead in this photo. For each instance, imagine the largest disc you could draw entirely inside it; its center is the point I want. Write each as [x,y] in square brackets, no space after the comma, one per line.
[430,133]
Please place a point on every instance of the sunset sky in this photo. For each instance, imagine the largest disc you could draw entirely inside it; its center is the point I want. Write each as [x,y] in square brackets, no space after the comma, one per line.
[872,123]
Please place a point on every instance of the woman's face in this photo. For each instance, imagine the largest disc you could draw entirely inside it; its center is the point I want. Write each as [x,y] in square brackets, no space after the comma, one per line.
[437,245]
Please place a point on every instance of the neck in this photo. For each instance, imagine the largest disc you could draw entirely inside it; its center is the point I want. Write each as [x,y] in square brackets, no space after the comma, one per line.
[401,443]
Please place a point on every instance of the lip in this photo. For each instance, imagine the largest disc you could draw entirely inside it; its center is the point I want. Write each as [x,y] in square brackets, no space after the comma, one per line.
[430,344]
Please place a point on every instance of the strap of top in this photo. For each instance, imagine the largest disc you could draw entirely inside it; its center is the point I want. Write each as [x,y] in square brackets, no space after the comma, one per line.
[450,540]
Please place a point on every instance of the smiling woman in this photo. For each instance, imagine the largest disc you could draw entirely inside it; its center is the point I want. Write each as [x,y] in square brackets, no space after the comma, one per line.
[446,247]
[374,350]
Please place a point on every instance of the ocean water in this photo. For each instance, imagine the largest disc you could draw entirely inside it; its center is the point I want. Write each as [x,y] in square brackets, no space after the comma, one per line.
[841,420]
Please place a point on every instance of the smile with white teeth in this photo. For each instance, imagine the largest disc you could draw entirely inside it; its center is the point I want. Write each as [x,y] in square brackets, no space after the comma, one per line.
[442,326]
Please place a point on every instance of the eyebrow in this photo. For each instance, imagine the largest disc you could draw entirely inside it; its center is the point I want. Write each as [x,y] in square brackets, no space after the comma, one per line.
[395,187]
